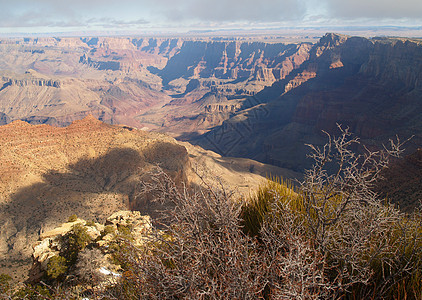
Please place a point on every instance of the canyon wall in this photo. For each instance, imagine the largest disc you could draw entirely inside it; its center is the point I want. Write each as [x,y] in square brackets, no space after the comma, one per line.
[163,84]
[239,98]
[371,86]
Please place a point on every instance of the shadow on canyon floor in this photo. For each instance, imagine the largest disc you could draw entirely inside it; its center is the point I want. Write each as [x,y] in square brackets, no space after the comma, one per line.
[92,188]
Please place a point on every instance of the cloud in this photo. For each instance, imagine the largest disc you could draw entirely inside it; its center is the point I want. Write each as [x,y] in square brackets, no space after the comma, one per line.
[64,14]
[231,10]
[35,19]
[164,11]
[187,9]
[115,23]
[216,13]
[375,9]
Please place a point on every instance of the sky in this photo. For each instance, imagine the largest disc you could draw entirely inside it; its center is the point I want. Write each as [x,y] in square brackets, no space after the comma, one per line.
[44,16]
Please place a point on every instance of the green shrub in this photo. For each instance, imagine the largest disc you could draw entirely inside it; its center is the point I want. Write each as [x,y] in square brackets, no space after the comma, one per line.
[72,218]
[56,267]
[74,242]
[35,292]
[5,283]
[260,204]
[125,230]
[109,229]
[90,223]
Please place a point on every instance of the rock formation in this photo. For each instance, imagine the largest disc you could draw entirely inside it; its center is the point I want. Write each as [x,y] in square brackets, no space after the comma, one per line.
[131,80]
[186,87]
[372,86]
[51,243]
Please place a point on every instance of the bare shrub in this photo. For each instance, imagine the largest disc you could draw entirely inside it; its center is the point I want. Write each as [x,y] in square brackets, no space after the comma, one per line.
[88,265]
[336,237]
[296,269]
[345,219]
[331,238]
[201,251]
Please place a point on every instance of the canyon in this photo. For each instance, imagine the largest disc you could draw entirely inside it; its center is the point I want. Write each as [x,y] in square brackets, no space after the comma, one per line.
[371,86]
[241,98]
[238,97]
[85,120]
[168,85]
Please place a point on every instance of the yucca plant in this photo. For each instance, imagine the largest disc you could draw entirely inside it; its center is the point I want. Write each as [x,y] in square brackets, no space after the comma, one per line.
[260,203]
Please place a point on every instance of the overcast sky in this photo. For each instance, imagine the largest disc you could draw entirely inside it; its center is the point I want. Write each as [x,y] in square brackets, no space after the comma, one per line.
[40,16]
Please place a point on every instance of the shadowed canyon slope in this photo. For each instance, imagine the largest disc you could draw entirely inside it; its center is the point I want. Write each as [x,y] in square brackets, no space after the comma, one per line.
[93,169]
[402,182]
[372,86]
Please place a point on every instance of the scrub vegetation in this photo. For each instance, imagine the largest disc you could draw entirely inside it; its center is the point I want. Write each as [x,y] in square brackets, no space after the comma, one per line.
[328,237]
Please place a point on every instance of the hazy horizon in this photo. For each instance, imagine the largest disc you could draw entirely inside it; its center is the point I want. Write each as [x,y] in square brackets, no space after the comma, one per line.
[106,17]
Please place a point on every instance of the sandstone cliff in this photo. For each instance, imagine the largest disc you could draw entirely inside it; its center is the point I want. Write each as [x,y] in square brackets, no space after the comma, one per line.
[131,80]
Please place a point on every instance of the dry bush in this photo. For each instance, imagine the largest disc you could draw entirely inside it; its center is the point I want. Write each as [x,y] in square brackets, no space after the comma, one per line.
[200,252]
[347,222]
[335,237]
[331,238]
[88,265]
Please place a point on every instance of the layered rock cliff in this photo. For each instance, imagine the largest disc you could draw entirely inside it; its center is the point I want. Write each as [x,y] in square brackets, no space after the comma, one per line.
[36,99]
[261,100]
[235,60]
[372,86]
[131,80]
